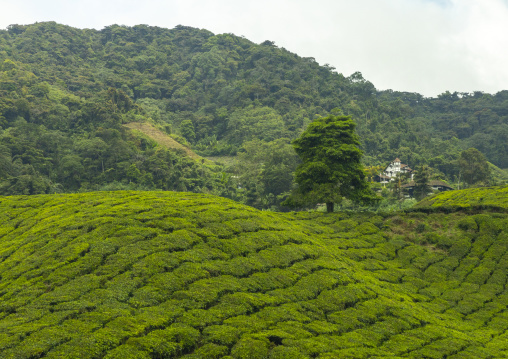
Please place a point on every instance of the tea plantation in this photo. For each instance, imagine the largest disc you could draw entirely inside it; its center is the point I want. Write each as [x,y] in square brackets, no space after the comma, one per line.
[493,198]
[166,274]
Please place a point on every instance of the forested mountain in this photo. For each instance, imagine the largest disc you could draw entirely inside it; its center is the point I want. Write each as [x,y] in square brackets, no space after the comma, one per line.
[66,92]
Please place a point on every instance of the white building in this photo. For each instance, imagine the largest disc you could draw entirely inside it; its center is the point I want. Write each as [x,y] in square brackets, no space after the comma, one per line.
[396,167]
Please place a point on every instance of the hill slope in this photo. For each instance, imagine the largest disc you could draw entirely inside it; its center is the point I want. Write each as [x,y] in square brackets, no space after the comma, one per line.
[475,198]
[160,137]
[65,93]
[164,274]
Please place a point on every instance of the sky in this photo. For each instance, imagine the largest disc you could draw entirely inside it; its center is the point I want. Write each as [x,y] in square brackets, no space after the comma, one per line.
[424,46]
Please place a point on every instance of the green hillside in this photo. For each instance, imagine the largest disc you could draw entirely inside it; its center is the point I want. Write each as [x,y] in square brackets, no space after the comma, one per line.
[160,137]
[65,94]
[164,274]
[472,198]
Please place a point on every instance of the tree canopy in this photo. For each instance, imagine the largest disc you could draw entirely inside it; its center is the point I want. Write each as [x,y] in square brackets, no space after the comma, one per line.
[421,179]
[473,166]
[331,166]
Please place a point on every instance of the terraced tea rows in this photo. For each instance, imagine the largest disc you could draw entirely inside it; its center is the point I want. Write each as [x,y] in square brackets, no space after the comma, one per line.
[163,274]
[495,198]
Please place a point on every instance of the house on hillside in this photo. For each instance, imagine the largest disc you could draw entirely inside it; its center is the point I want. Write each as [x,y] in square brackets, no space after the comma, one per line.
[390,172]
[396,167]
[434,184]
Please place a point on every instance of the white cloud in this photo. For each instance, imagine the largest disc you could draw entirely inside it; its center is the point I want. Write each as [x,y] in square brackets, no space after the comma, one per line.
[483,38]
[426,46]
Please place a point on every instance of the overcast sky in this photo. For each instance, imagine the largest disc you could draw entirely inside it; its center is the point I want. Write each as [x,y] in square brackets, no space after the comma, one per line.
[425,46]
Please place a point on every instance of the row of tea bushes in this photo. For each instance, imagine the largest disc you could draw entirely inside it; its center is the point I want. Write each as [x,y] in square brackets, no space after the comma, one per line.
[164,274]
[473,198]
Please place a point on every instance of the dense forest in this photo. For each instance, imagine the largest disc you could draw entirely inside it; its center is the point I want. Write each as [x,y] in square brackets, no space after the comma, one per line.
[66,95]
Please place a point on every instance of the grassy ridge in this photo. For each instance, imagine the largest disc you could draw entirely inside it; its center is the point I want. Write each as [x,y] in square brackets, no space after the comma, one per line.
[160,138]
[164,274]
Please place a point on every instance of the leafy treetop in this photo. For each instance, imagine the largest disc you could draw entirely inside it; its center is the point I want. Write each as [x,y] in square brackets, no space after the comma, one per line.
[474,166]
[331,167]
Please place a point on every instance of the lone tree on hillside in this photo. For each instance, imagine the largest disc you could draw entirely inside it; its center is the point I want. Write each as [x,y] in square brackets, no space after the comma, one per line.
[330,168]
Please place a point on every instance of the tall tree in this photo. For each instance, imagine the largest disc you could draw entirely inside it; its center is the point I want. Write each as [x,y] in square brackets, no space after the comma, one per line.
[421,178]
[330,168]
[474,167]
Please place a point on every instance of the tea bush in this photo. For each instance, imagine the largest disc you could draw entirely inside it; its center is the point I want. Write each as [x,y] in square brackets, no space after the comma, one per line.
[165,274]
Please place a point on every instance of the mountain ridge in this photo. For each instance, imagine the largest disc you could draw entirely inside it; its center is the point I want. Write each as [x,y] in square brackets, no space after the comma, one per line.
[220,93]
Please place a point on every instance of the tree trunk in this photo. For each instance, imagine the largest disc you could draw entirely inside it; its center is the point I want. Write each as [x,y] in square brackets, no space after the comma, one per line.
[329,207]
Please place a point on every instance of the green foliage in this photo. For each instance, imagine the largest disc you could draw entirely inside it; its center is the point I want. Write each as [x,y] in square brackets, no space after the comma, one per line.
[473,166]
[474,198]
[187,130]
[265,172]
[330,168]
[422,187]
[65,94]
[162,274]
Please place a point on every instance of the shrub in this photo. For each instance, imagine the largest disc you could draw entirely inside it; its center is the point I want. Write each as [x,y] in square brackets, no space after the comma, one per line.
[421,227]
[468,224]
[250,349]
[283,352]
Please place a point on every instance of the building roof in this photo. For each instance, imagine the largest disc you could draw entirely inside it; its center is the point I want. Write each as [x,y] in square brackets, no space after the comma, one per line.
[396,160]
